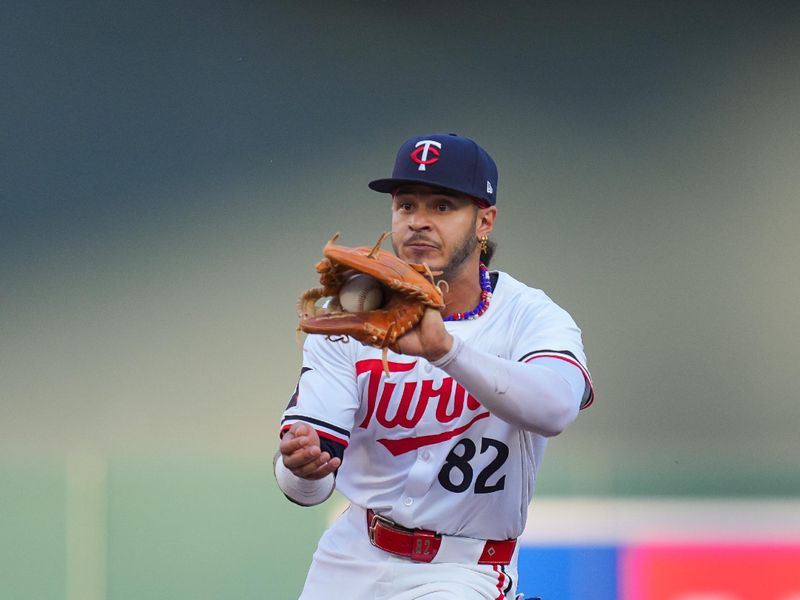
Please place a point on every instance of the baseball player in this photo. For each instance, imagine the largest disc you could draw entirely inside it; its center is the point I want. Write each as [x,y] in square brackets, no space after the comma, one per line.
[439,458]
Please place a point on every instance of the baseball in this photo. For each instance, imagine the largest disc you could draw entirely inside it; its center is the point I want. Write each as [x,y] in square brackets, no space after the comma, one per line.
[361,293]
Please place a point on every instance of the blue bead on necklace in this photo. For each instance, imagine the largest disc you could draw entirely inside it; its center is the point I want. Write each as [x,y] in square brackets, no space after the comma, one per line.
[483,304]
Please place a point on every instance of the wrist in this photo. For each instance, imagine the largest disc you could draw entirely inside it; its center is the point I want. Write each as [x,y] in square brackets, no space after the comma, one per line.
[441,349]
[305,492]
[446,357]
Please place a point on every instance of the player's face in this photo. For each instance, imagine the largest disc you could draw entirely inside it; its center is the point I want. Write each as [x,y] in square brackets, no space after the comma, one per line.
[434,226]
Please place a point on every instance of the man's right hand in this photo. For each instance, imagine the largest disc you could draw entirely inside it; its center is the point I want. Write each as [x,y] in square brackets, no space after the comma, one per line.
[302,455]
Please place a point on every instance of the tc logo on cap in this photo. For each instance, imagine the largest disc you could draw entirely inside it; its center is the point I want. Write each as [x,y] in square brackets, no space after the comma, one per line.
[423,150]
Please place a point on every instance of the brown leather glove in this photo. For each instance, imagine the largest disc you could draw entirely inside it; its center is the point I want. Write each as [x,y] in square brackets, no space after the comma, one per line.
[408,290]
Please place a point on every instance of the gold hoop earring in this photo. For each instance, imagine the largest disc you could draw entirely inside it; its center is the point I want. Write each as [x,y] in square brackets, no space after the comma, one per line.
[483,242]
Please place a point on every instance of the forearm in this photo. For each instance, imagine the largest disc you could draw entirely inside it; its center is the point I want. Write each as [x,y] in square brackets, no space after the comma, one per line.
[305,492]
[533,397]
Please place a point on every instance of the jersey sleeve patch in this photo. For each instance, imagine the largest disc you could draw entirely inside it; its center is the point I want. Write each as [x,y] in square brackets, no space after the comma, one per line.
[566,355]
[326,431]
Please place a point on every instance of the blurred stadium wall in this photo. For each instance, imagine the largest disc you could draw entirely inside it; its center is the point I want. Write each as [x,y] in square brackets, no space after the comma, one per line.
[171,170]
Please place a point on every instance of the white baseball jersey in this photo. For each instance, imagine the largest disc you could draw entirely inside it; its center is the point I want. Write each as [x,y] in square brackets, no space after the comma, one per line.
[417,447]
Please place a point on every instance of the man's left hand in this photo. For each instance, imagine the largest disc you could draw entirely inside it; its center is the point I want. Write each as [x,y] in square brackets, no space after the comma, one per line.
[429,339]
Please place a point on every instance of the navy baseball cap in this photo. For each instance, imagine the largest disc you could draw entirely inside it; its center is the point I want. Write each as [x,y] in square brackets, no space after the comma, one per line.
[444,160]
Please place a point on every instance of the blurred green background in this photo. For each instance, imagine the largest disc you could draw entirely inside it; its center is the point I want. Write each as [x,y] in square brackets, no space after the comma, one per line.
[171,170]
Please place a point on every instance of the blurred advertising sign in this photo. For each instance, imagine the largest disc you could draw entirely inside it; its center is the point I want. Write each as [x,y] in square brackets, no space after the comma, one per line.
[711,572]
[661,549]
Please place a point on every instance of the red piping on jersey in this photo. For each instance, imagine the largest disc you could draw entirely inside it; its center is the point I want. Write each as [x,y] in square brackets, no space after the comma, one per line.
[500,577]
[401,446]
[572,362]
[333,438]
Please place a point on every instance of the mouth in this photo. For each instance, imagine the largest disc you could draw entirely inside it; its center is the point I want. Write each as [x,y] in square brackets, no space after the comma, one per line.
[420,245]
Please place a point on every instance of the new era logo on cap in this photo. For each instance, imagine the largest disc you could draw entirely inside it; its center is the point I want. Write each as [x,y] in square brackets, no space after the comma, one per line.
[444,160]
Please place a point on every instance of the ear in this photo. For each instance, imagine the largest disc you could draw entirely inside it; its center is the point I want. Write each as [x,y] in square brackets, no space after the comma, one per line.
[484,224]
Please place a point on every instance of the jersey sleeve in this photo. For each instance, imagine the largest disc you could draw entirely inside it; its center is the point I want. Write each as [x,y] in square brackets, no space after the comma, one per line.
[548,331]
[326,395]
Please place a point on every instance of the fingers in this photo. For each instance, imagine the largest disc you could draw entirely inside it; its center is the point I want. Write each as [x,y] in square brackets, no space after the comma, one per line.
[302,455]
[297,450]
[316,468]
[293,443]
[428,339]
[326,466]
[300,435]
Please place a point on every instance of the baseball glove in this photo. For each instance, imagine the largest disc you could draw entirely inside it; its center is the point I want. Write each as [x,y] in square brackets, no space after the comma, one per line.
[408,291]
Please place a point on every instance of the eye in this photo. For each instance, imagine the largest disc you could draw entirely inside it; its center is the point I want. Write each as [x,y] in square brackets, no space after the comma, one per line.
[443,206]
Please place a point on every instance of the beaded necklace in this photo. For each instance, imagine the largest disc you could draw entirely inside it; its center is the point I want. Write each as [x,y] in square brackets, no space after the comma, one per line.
[483,304]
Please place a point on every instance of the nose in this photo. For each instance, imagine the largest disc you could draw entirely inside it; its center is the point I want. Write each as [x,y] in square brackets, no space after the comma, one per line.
[419,222]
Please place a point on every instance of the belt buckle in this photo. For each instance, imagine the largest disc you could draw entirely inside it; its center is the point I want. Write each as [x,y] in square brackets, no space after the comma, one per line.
[373,523]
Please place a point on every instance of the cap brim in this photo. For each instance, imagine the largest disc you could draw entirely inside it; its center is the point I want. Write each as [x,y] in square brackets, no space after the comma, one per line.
[388,185]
